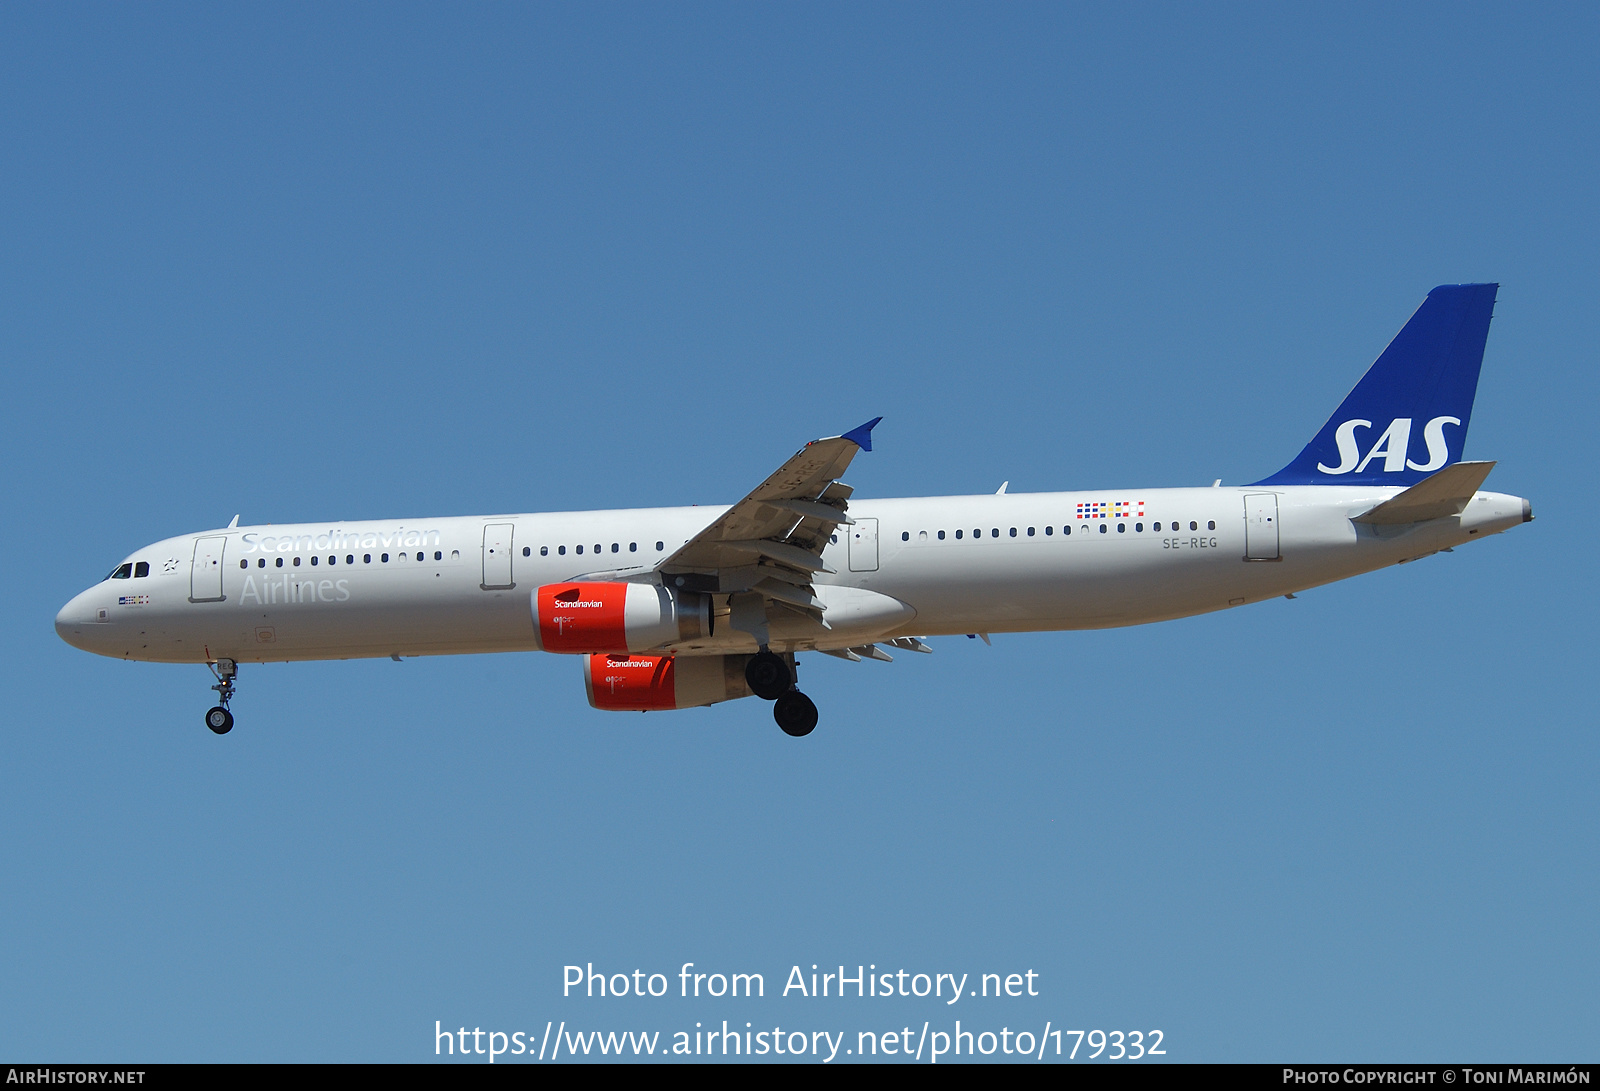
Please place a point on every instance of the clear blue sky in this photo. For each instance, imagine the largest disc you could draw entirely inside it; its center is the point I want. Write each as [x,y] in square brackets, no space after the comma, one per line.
[310,263]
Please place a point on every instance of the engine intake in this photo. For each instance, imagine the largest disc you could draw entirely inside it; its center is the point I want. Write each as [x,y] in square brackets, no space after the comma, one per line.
[586,618]
[647,683]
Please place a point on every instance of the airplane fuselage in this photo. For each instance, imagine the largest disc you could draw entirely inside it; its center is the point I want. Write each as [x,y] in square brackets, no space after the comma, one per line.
[928,566]
[684,607]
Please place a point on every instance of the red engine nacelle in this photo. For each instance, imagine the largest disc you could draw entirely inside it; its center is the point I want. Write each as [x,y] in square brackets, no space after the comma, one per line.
[617,617]
[646,683]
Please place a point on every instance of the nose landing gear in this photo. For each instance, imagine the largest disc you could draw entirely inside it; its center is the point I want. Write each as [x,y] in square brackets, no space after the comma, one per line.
[218,718]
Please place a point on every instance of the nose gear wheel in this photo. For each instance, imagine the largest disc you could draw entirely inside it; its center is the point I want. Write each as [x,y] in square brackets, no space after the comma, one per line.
[218,718]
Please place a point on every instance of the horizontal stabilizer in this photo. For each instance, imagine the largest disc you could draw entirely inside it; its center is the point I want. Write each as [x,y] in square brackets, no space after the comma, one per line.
[1445,493]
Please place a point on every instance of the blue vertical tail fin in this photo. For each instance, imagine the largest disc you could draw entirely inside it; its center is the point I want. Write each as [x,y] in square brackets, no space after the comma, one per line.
[1407,417]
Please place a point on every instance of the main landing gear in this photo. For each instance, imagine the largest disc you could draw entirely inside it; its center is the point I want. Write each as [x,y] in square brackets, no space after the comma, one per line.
[771,677]
[795,713]
[218,718]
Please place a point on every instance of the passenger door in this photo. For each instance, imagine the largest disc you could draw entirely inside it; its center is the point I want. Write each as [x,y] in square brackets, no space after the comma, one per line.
[864,546]
[497,556]
[205,572]
[1261,527]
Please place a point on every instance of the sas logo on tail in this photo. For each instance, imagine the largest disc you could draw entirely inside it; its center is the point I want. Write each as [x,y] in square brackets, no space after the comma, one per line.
[1392,447]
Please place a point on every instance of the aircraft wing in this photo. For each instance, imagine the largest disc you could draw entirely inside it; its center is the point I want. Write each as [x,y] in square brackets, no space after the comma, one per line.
[772,540]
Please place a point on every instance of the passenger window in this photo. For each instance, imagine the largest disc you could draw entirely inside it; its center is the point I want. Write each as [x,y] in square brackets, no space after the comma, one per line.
[633,547]
[244,564]
[455,555]
[1013,532]
[313,562]
[1102,528]
[597,547]
[526,552]
[1193,525]
[941,536]
[261,562]
[297,560]
[580,549]
[1122,528]
[280,562]
[905,536]
[660,546]
[366,558]
[349,558]
[421,556]
[561,550]
[1049,531]
[1030,532]
[1139,527]
[1211,525]
[382,557]
[615,548]
[958,535]
[544,551]
[1064,530]
[922,536]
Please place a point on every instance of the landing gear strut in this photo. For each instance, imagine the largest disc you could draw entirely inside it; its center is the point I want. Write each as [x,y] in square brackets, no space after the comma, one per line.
[218,718]
[771,677]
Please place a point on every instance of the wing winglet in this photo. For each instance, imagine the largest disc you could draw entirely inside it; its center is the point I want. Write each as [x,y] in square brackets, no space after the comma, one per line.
[862,436]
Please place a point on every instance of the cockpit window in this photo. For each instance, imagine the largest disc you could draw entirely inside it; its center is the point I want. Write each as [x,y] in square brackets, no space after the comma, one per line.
[141,569]
[121,572]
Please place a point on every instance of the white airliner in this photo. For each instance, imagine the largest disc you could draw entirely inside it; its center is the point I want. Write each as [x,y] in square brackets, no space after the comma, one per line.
[680,607]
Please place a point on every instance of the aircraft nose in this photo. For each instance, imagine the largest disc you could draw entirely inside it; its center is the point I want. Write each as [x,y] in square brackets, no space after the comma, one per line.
[73,621]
